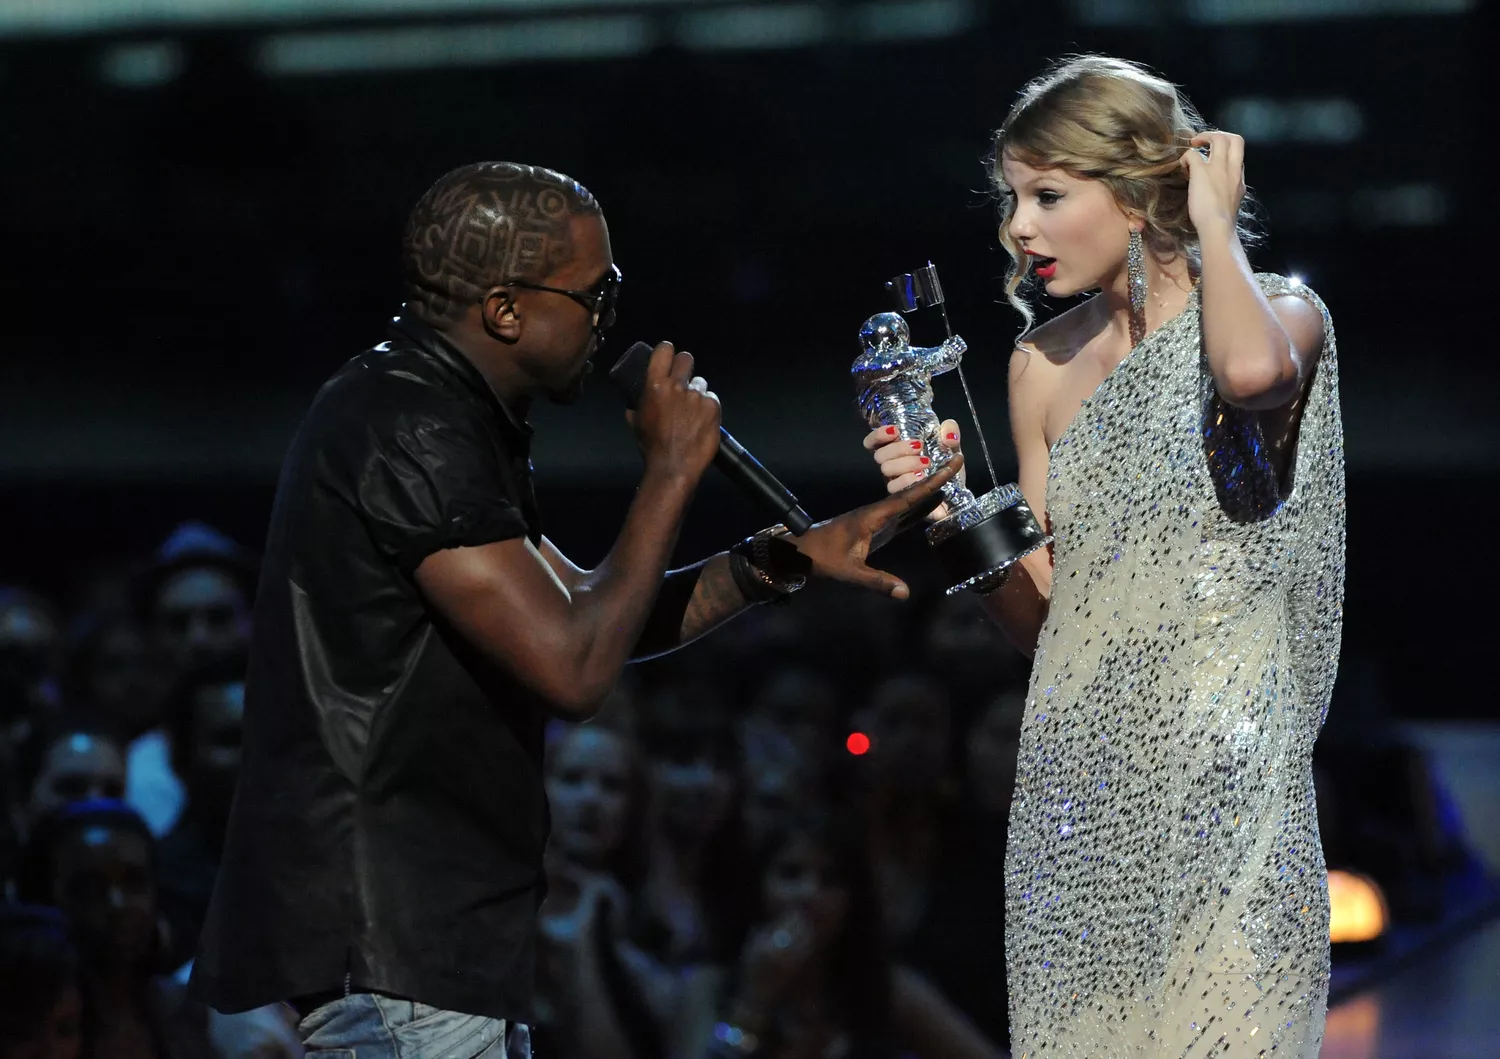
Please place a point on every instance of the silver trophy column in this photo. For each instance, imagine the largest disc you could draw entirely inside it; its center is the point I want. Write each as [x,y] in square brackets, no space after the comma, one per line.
[980,538]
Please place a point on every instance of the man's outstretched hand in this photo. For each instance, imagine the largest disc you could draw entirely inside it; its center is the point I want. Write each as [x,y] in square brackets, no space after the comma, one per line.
[838,548]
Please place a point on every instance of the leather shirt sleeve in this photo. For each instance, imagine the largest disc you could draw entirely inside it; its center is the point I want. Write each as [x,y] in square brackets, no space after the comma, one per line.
[431,477]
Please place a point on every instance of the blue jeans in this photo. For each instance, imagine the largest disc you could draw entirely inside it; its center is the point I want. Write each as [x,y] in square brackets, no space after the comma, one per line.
[370,1026]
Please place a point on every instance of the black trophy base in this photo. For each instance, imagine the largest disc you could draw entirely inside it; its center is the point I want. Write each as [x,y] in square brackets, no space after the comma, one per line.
[976,545]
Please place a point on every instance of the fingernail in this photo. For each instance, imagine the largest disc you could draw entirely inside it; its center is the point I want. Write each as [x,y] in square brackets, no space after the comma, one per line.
[915,444]
[952,436]
[891,431]
[925,461]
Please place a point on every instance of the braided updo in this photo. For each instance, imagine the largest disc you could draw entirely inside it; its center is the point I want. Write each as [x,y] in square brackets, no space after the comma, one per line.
[1113,121]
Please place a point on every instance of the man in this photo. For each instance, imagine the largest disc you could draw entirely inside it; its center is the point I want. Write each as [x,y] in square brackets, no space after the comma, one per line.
[414,629]
[197,608]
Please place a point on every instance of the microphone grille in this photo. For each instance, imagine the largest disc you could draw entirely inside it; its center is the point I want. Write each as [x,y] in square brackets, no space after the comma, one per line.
[629,373]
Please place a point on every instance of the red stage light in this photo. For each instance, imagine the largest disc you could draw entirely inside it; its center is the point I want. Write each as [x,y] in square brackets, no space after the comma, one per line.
[858,743]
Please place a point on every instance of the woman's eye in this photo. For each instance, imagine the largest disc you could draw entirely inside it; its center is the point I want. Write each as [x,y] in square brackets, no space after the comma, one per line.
[1048,198]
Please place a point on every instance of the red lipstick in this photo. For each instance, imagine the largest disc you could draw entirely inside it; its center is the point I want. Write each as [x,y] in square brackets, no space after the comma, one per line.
[1045,267]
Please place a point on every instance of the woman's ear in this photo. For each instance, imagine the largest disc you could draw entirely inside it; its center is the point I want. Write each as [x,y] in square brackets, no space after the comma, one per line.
[502,319]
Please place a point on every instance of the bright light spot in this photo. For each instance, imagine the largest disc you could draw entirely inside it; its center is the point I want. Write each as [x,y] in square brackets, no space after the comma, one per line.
[1260,119]
[1357,908]
[761,26]
[143,65]
[1295,280]
[858,743]
[472,44]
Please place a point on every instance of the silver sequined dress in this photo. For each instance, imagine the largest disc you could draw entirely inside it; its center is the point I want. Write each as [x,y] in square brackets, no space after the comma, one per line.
[1165,886]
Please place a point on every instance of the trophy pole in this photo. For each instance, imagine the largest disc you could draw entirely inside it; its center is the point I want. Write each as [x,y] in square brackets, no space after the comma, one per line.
[982,537]
[915,290]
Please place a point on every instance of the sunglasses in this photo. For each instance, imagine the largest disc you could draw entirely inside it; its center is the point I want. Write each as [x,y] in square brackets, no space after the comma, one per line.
[599,299]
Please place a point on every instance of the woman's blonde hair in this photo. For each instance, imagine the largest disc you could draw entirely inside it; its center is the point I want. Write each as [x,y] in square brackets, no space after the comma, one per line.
[1114,121]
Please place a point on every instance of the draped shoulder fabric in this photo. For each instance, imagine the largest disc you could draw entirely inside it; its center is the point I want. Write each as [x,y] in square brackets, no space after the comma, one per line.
[1166,894]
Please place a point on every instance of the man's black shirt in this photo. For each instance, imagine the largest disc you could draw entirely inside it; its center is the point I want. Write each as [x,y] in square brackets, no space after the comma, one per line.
[388,828]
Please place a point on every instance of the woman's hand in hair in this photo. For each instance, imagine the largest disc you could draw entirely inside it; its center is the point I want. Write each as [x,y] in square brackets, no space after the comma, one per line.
[1216,183]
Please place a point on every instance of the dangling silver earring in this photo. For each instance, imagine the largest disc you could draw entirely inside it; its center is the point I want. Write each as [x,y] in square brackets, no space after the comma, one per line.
[1135,265]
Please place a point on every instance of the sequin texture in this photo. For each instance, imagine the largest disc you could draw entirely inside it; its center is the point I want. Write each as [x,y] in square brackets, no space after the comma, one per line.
[1165,886]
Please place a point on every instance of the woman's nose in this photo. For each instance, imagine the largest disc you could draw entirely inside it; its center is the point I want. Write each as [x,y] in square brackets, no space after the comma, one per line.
[1020,224]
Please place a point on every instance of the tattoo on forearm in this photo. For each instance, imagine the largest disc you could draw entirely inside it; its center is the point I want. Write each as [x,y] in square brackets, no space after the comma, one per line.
[693,601]
[716,599]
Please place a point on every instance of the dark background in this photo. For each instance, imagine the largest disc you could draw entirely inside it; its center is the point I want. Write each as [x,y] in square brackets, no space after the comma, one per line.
[198,228]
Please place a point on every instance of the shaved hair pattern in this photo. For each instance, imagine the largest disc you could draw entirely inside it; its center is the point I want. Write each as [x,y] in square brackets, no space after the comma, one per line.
[483,224]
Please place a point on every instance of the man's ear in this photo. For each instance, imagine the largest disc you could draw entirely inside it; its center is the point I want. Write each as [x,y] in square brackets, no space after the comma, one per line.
[502,319]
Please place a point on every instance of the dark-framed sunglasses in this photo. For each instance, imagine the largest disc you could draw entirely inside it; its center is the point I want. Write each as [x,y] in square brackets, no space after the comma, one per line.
[599,299]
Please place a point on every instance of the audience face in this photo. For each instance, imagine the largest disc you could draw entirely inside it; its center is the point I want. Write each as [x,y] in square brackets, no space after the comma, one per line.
[795,710]
[771,795]
[29,639]
[694,791]
[589,787]
[40,1006]
[119,679]
[78,766]
[992,746]
[213,762]
[102,882]
[910,726]
[59,1033]
[200,613]
[802,884]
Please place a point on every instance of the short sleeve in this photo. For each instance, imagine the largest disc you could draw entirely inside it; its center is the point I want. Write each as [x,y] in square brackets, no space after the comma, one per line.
[429,476]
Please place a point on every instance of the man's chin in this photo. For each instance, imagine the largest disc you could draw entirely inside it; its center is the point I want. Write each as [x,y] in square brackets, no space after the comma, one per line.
[569,394]
[572,390]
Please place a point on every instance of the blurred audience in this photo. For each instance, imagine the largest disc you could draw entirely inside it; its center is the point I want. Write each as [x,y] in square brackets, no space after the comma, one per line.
[727,876]
[813,977]
[196,604]
[41,1012]
[206,720]
[600,995]
[109,666]
[94,861]
[30,641]
[689,908]
[69,758]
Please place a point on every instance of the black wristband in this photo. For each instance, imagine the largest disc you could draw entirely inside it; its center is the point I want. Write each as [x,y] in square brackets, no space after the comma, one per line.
[753,588]
[767,568]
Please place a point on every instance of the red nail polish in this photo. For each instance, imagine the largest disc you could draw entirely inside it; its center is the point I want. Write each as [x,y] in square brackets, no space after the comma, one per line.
[952,437]
[925,461]
[916,445]
[891,431]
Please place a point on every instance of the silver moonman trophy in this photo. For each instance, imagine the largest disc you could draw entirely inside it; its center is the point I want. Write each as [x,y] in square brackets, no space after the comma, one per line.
[981,537]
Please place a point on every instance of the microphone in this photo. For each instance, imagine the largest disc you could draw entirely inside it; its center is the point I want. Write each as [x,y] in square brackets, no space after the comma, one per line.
[629,377]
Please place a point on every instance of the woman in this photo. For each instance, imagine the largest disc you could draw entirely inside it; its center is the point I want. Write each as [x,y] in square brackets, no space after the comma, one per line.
[72,758]
[689,908]
[94,862]
[601,998]
[813,979]
[1180,433]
